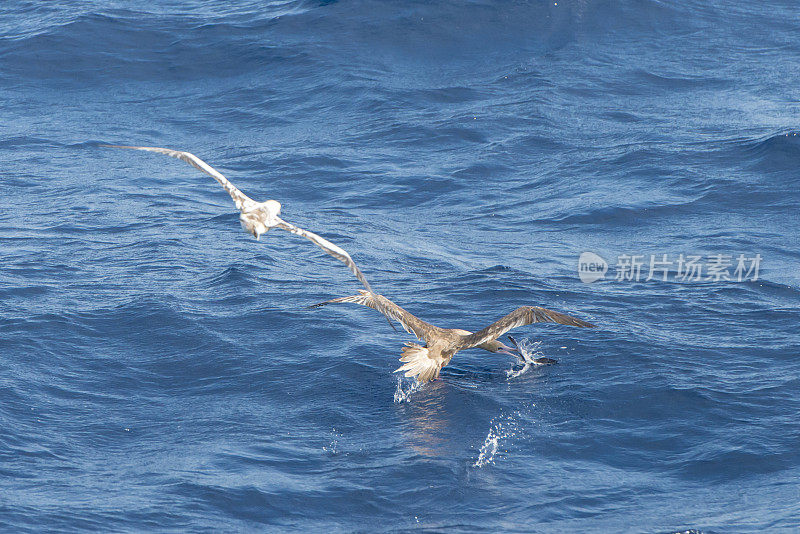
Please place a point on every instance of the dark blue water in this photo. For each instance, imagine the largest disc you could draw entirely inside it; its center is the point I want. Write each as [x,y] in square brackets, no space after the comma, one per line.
[158,369]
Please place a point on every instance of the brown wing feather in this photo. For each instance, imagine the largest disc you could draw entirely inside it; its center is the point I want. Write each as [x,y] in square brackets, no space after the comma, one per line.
[410,323]
[519,317]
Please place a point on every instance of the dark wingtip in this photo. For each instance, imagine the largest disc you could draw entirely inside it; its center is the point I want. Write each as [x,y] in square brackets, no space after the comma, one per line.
[545,361]
[514,341]
[574,321]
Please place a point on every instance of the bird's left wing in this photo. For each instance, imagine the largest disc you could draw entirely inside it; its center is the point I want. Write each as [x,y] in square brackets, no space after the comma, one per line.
[520,317]
[411,323]
[239,198]
[335,251]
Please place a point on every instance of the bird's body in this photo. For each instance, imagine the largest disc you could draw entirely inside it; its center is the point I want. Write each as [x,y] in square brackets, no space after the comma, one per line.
[441,344]
[257,217]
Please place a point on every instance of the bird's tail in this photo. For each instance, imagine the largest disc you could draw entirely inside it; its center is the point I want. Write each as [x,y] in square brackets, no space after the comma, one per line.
[417,363]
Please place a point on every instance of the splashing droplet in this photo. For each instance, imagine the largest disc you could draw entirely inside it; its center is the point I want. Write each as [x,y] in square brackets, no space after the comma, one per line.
[402,393]
[529,351]
[500,428]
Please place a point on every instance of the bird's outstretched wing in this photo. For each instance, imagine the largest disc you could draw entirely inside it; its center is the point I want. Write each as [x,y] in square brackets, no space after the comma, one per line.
[412,324]
[519,317]
[239,198]
[243,201]
[335,251]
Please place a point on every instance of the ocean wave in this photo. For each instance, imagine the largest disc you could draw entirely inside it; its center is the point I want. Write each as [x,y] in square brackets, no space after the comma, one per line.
[159,368]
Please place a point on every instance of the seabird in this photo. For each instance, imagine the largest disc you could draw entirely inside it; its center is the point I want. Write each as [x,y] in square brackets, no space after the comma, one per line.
[257,217]
[441,344]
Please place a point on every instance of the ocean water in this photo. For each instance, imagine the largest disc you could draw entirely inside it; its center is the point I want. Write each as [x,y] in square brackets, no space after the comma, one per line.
[159,370]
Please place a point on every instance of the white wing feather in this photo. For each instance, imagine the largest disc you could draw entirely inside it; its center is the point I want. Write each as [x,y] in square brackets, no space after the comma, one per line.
[242,201]
[328,247]
[239,198]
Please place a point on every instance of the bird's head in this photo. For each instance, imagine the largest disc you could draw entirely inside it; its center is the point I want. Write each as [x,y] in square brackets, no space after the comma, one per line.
[258,218]
[502,348]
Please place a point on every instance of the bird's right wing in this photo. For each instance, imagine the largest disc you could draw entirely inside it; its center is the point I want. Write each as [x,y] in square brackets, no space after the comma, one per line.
[410,323]
[520,317]
[239,198]
[335,251]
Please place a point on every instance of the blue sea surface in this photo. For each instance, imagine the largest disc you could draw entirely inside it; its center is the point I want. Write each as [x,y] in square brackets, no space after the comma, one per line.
[159,369]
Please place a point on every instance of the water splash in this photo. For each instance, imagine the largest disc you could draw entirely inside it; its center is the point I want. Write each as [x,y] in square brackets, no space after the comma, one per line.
[403,393]
[529,350]
[332,447]
[502,427]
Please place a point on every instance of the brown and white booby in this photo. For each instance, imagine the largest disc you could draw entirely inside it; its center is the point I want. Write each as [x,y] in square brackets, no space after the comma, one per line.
[441,344]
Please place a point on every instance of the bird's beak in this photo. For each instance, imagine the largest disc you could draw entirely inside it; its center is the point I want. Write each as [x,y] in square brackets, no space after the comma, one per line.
[513,351]
[505,349]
